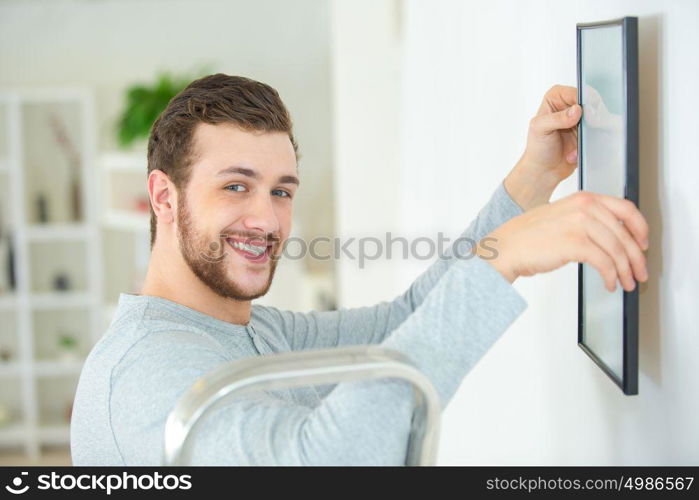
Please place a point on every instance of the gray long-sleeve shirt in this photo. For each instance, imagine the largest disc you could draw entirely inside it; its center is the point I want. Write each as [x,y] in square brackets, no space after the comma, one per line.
[155,349]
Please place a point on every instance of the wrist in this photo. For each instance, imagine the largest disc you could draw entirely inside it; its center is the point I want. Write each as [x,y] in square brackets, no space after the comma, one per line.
[493,255]
[529,186]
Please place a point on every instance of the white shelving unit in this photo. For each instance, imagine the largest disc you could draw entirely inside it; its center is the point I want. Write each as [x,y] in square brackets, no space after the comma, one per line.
[57,232]
[45,383]
[126,223]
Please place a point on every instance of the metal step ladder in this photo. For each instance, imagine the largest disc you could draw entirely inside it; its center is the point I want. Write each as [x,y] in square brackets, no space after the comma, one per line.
[304,368]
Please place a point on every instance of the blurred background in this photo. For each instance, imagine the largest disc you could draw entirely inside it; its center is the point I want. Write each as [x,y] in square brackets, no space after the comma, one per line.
[408,114]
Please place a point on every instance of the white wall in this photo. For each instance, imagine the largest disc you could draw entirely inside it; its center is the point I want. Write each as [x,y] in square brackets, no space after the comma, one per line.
[366,106]
[474,75]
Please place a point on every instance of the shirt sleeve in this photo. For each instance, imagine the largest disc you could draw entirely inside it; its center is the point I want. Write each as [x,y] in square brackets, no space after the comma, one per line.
[371,324]
[358,423]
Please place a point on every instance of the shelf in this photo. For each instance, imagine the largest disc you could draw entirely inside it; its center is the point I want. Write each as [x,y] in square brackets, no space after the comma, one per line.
[59,267]
[60,300]
[54,434]
[124,162]
[127,221]
[51,368]
[8,301]
[10,369]
[13,434]
[53,232]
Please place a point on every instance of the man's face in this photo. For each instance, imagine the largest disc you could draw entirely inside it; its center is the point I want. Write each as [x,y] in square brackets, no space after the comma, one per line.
[239,195]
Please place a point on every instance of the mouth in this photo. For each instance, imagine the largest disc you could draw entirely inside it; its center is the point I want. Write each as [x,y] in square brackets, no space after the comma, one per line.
[254,250]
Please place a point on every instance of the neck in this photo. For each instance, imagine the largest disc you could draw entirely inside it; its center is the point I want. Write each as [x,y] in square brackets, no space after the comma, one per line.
[170,277]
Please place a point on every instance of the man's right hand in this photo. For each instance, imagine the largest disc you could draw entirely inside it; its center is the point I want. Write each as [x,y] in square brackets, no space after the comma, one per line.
[606,232]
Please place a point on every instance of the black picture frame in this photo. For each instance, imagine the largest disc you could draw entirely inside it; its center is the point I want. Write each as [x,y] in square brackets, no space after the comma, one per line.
[629,25]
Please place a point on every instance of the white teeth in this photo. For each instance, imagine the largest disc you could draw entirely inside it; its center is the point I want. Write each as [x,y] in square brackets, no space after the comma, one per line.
[250,248]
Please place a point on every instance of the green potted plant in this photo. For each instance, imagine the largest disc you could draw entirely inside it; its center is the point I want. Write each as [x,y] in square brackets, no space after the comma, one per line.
[68,348]
[144,103]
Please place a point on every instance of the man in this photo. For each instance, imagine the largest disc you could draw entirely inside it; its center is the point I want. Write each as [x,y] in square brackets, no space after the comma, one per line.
[222,180]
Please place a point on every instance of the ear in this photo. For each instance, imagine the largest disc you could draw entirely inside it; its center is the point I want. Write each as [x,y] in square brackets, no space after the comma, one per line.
[163,196]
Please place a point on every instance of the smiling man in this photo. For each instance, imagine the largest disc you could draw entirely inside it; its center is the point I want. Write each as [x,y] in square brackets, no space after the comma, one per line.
[222,234]
[222,163]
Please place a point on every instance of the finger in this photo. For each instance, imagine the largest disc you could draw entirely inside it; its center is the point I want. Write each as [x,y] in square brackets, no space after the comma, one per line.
[612,246]
[628,213]
[570,144]
[633,251]
[557,98]
[588,252]
[551,122]
[570,138]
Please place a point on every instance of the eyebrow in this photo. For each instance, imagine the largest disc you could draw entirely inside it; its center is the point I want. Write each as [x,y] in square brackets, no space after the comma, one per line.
[248,172]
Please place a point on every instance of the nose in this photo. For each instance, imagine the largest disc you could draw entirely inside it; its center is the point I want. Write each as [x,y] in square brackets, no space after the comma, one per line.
[261,216]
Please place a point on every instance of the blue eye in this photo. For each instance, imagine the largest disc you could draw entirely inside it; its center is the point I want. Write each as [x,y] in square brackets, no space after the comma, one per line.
[284,195]
[234,185]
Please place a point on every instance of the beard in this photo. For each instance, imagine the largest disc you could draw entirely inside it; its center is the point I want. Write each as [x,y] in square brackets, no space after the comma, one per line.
[206,257]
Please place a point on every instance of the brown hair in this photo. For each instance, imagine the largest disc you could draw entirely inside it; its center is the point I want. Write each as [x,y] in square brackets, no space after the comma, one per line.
[212,99]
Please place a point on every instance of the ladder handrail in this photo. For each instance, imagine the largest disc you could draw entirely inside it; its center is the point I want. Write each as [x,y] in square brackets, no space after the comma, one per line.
[299,368]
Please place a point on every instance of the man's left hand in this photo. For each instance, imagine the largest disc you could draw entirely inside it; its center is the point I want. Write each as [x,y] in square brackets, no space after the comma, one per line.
[551,154]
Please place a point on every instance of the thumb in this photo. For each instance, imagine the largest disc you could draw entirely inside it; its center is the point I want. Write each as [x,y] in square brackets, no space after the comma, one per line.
[561,120]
